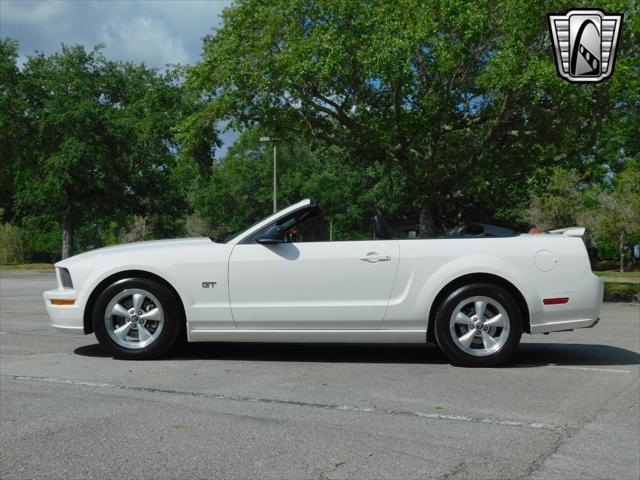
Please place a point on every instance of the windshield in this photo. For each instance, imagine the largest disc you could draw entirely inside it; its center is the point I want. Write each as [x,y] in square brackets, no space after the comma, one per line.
[227,236]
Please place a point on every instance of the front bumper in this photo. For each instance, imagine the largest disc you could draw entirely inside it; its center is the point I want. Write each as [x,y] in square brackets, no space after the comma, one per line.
[64,318]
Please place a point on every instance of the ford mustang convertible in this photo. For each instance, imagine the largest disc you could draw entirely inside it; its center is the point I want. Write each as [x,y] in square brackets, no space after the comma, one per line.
[474,292]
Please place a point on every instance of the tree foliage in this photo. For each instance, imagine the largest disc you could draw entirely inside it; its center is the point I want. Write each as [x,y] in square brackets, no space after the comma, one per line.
[436,112]
[612,213]
[561,204]
[13,127]
[101,144]
[457,102]
[617,218]
[239,188]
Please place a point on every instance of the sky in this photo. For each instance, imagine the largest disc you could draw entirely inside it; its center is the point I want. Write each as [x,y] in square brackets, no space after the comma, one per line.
[156,32]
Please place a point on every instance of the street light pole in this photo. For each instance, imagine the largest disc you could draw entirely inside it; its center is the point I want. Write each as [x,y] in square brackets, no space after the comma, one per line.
[275,170]
[275,183]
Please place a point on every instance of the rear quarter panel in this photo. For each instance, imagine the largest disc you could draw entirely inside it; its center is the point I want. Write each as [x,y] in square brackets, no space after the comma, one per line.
[427,266]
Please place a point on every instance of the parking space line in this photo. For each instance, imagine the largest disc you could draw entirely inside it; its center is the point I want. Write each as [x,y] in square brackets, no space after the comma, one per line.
[588,369]
[325,406]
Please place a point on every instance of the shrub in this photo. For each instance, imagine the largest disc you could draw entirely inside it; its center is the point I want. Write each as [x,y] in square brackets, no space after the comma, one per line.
[621,292]
[11,244]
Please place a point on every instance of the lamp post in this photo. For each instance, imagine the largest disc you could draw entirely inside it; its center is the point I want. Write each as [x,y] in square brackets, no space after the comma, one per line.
[275,171]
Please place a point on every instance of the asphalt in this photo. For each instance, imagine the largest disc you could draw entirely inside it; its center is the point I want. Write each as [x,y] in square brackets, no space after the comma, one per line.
[567,407]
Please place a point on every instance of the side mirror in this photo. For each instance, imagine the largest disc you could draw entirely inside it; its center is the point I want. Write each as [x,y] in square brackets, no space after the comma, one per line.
[271,237]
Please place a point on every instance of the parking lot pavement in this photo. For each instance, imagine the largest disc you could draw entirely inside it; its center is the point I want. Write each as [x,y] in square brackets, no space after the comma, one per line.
[566,407]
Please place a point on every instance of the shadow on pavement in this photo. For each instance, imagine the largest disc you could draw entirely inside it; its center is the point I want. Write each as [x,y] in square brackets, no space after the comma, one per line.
[527,354]
[572,354]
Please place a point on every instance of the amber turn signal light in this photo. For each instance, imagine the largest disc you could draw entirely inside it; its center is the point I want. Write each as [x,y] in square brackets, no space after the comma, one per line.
[61,301]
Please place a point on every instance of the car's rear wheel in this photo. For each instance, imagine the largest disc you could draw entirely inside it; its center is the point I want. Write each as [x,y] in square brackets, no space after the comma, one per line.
[136,318]
[478,325]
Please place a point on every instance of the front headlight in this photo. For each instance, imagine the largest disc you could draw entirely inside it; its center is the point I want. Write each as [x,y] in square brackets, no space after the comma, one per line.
[65,278]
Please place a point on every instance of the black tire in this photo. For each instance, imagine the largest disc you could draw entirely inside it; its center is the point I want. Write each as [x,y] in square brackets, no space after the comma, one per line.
[166,338]
[455,352]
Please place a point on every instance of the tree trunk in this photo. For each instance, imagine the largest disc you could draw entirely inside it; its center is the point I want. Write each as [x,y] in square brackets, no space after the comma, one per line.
[622,238]
[427,223]
[67,236]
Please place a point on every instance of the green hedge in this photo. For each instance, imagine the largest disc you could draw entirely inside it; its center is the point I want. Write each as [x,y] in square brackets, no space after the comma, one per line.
[12,244]
[621,292]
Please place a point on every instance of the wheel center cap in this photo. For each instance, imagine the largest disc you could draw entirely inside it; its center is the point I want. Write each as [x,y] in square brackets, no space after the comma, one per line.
[134,318]
[479,325]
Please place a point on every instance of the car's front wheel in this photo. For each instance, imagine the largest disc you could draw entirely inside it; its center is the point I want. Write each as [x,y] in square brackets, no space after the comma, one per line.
[478,325]
[136,318]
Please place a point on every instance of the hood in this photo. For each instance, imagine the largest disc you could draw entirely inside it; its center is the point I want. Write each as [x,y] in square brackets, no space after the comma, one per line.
[125,248]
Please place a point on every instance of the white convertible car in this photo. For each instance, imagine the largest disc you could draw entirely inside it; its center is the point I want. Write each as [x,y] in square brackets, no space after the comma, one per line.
[473,292]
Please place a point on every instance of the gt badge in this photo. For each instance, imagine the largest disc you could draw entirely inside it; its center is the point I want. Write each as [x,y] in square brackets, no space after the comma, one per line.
[209,284]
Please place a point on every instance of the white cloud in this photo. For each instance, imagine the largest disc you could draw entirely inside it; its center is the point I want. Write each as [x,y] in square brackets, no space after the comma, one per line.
[32,11]
[188,13]
[154,31]
[142,39]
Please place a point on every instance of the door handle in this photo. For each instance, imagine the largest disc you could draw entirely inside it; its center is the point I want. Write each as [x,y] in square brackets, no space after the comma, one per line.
[375,257]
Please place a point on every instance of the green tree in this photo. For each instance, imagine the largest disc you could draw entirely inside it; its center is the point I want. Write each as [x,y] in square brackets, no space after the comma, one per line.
[458,101]
[102,147]
[14,129]
[610,208]
[561,204]
[148,107]
[617,217]
[238,190]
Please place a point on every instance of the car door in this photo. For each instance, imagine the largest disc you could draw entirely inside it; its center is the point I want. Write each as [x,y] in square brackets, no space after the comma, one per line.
[312,285]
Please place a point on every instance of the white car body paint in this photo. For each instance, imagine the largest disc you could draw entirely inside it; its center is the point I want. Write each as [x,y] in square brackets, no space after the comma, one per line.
[312,285]
[352,291]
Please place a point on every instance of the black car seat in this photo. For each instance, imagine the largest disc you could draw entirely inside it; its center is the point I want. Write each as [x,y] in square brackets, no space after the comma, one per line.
[381,228]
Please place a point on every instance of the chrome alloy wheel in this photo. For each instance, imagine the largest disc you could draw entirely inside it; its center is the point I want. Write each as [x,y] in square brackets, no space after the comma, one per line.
[134,318]
[479,326]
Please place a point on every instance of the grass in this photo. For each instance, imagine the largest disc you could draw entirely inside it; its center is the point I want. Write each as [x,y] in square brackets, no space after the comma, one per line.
[27,266]
[618,274]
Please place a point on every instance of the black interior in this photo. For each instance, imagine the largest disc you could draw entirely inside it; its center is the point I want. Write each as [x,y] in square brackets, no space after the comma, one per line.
[381,227]
[295,228]
[480,230]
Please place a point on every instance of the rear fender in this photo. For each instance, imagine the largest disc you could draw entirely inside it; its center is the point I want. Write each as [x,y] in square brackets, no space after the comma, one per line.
[473,264]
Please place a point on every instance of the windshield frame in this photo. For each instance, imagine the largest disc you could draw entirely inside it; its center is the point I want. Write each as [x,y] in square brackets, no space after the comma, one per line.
[251,230]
